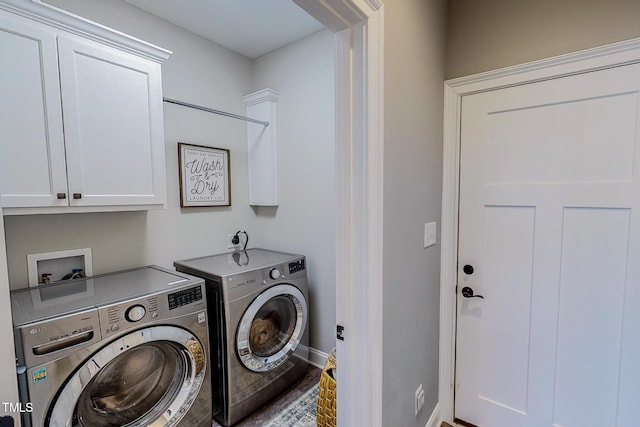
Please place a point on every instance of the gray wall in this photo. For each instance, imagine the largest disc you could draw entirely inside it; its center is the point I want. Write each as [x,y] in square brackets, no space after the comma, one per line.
[414,74]
[199,72]
[490,34]
[205,73]
[304,221]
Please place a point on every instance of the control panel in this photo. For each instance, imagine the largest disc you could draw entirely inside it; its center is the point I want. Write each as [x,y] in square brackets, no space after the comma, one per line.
[122,315]
[296,266]
[184,297]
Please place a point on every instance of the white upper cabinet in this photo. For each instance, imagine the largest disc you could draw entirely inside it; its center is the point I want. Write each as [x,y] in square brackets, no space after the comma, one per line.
[32,158]
[82,125]
[112,119]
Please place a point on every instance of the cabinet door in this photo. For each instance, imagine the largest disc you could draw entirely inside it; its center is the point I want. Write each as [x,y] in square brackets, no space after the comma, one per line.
[32,159]
[113,123]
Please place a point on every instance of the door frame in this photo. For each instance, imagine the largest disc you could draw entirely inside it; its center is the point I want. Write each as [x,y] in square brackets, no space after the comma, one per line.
[608,56]
[9,391]
[359,29]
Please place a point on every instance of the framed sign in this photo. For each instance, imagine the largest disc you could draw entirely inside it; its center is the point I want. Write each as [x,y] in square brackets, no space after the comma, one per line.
[205,178]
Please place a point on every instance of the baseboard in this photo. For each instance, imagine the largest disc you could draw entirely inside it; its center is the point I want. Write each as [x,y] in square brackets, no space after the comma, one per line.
[317,358]
[434,419]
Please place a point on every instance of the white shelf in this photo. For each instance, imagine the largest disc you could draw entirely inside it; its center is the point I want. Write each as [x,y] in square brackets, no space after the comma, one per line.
[262,148]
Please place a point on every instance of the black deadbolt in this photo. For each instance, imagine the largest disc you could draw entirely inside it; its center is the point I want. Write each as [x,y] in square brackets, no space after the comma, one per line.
[468,269]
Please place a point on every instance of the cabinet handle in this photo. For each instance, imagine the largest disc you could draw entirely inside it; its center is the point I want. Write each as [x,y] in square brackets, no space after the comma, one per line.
[61,196]
[77,196]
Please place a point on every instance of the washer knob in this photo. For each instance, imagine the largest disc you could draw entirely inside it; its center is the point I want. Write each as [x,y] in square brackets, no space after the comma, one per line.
[135,313]
[274,273]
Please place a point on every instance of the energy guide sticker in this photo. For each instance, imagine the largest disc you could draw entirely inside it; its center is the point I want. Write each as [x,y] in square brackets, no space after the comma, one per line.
[39,375]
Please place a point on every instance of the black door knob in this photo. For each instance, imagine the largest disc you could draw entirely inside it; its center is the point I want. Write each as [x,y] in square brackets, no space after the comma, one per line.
[467,292]
[467,269]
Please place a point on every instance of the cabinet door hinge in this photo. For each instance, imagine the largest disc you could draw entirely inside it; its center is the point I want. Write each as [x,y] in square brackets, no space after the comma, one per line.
[339,331]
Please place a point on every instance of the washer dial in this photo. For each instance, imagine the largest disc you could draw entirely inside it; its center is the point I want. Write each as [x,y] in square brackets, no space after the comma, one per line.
[274,273]
[135,313]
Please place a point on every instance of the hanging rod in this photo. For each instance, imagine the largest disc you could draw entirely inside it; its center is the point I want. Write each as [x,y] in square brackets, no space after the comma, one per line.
[210,110]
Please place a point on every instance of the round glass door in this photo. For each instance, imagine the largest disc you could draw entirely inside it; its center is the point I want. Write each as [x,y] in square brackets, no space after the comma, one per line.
[135,385]
[141,379]
[271,328]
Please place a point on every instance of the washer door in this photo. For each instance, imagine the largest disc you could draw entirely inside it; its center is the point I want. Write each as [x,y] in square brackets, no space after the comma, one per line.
[271,328]
[146,378]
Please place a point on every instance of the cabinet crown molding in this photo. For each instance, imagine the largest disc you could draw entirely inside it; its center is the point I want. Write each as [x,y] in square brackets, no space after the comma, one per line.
[52,16]
[261,96]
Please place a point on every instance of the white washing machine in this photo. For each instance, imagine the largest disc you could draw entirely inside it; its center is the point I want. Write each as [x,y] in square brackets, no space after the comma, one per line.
[258,309]
[128,348]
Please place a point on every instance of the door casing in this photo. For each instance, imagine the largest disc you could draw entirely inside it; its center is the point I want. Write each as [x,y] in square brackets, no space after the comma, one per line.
[608,56]
[359,29]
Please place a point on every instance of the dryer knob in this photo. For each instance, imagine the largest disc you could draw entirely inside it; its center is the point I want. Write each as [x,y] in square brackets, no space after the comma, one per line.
[274,273]
[135,313]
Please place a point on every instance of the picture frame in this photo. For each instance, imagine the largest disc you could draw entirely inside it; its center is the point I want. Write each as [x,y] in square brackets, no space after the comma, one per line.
[205,175]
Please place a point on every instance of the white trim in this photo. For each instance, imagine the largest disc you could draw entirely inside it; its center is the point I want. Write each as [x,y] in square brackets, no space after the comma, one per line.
[261,96]
[589,60]
[449,252]
[79,209]
[621,53]
[52,16]
[359,27]
[317,358]
[434,419]
[9,390]
[337,15]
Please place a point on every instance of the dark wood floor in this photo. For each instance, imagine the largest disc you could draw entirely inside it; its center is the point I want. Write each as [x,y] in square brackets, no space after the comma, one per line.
[269,411]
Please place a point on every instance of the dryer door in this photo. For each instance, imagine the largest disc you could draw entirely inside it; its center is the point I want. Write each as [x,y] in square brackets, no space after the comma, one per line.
[146,378]
[271,328]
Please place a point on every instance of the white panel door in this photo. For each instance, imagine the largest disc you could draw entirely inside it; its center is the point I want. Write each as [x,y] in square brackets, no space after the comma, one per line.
[32,158]
[113,125]
[550,223]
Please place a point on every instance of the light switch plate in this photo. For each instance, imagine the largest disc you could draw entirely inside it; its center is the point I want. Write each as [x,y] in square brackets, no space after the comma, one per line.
[429,234]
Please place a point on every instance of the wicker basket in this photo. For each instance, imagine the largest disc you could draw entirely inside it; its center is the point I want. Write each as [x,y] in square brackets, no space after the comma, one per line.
[326,415]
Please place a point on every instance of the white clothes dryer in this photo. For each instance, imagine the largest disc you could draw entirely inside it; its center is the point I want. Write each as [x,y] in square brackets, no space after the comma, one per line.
[258,306]
[128,348]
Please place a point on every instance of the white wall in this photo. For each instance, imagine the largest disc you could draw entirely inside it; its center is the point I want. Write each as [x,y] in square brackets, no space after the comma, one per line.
[304,221]
[201,72]
[413,93]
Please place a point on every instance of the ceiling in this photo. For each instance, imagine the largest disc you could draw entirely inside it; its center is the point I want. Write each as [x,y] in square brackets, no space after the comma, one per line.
[249,27]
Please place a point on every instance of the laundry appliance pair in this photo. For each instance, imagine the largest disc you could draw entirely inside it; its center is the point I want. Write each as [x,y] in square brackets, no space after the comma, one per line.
[258,309]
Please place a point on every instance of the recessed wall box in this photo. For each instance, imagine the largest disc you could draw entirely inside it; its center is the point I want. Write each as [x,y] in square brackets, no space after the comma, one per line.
[51,267]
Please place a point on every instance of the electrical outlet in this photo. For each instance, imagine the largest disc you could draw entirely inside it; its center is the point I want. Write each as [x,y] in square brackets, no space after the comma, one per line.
[419,399]
[230,244]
